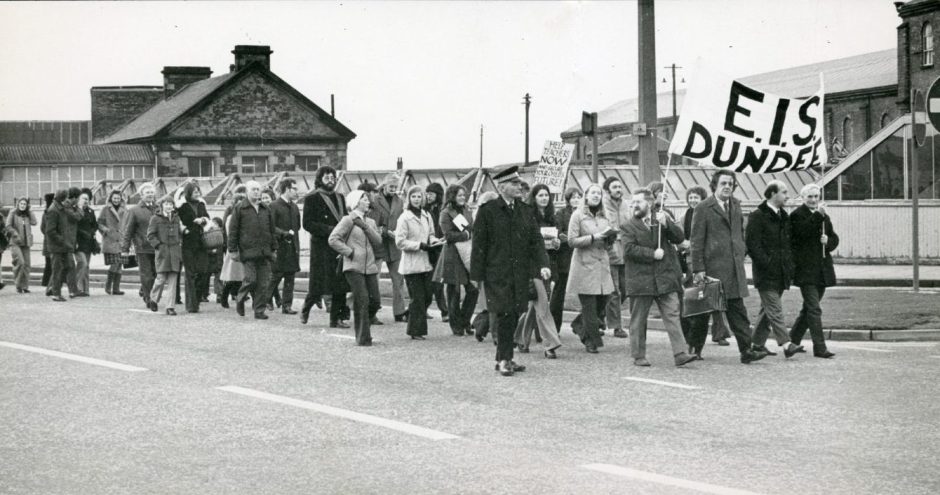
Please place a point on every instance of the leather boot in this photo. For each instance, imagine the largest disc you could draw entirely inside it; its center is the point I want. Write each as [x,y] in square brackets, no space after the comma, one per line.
[116,285]
[107,283]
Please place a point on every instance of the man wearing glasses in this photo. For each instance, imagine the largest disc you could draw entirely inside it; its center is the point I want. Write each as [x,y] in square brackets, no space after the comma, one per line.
[286,218]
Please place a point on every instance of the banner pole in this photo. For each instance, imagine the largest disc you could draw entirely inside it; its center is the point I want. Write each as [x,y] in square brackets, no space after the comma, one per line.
[659,237]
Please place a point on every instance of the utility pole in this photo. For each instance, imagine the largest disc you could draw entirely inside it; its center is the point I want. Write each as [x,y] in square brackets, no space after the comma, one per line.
[481,146]
[649,154]
[673,67]
[527,100]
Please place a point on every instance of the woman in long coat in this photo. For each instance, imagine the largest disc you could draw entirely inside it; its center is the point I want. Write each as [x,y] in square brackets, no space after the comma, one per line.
[194,216]
[414,236]
[452,267]
[86,244]
[589,234]
[163,234]
[563,257]
[538,314]
[19,233]
[109,223]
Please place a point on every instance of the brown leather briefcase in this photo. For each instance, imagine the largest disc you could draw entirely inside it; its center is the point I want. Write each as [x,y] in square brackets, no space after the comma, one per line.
[706,298]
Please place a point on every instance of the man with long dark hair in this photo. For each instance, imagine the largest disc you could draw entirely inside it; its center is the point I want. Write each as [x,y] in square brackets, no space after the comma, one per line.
[323,209]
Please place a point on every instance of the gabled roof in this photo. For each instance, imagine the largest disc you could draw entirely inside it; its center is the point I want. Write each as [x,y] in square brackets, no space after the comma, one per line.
[865,71]
[27,154]
[198,94]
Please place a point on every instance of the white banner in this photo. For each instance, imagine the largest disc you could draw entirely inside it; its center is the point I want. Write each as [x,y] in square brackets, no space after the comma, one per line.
[726,124]
[553,166]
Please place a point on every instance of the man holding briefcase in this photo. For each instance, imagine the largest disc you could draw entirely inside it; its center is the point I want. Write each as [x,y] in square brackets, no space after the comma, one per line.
[718,251]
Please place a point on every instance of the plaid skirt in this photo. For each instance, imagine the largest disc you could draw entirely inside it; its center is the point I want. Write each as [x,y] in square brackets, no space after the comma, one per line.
[112,258]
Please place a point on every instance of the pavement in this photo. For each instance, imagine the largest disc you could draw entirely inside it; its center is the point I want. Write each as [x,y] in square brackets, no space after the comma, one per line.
[99,395]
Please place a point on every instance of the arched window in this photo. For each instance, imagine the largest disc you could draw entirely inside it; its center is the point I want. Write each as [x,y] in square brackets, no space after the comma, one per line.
[927,34]
[847,133]
[885,120]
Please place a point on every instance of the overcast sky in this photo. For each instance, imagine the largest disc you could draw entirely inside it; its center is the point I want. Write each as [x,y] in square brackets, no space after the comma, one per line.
[417,80]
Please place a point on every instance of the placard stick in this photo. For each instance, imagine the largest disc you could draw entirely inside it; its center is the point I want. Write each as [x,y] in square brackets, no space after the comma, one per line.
[659,236]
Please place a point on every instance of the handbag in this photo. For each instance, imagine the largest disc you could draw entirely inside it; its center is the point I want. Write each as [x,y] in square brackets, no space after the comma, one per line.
[213,239]
[129,261]
[701,299]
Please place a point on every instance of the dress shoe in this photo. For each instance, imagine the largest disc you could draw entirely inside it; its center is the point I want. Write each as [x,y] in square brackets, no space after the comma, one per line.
[224,303]
[478,337]
[516,368]
[116,292]
[683,358]
[641,362]
[59,298]
[504,368]
[170,312]
[764,349]
[338,324]
[791,350]
[751,356]
[304,316]
[240,308]
[591,349]
[153,306]
[417,337]
[620,334]
[375,321]
[723,342]
[261,316]
[445,318]
[823,354]
[288,311]
[25,291]
[550,354]
[365,344]
[469,332]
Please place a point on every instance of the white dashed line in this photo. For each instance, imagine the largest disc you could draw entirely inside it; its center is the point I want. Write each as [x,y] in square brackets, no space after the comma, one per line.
[73,357]
[665,384]
[342,413]
[350,337]
[666,480]
[859,348]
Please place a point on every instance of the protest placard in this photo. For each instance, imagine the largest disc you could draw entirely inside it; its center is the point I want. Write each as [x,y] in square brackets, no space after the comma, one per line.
[727,124]
[553,165]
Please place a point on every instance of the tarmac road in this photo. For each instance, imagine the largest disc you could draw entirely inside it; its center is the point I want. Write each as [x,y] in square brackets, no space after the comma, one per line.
[215,403]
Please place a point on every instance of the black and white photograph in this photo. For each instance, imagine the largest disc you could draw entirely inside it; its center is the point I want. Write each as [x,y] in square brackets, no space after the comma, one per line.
[651,247]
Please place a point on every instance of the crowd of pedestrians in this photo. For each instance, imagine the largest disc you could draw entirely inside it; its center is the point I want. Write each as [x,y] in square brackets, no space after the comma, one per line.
[599,251]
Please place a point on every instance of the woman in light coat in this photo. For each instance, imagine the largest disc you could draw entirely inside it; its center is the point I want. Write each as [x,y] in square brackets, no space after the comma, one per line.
[19,231]
[414,237]
[589,234]
[453,267]
[356,239]
[109,223]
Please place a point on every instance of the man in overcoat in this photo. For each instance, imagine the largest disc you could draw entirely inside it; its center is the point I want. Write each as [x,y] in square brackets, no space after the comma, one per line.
[652,275]
[251,240]
[507,253]
[717,251]
[286,218]
[60,226]
[323,209]
[386,208]
[813,241]
[768,244]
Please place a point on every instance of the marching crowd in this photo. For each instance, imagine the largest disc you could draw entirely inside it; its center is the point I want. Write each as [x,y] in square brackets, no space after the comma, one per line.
[527,259]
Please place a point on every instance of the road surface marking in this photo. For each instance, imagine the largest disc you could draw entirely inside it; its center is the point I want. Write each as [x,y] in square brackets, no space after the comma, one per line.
[73,357]
[350,337]
[342,413]
[860,348]
[935,357]
[666,480]
[144,311]
[658,382]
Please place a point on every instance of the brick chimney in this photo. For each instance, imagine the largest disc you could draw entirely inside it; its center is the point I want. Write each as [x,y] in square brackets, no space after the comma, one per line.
[246,54]
[175,78]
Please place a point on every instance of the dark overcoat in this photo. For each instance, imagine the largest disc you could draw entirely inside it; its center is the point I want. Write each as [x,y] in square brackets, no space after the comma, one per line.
[810,266]
[647,276]
[450,267]
[251,232]
[718,246]
[386,213]
[85,232]
[163,234]
[768,244]
[60,227]
[286,217]
[195,254]
[507,253]
[320,217]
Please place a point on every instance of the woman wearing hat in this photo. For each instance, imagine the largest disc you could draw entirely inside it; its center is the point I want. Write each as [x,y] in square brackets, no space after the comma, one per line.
[414,237]
[357,239]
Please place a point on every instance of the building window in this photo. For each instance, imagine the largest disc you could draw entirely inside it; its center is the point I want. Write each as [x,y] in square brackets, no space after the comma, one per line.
[199,166]
[307,163]
[847,133]
[254,164]
[928,44]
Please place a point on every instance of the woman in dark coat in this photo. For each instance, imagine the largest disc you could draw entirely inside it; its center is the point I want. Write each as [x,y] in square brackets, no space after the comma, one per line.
[434,195]
[563,255]
[195,219]
[86,242]
[452,267]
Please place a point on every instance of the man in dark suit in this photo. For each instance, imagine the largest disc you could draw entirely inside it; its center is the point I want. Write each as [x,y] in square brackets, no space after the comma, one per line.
[507,253]
[251,240]
[768,244]
[286,218]
[323,209]
[717,251]
[813,240]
